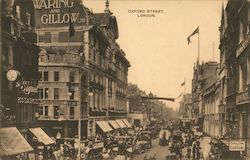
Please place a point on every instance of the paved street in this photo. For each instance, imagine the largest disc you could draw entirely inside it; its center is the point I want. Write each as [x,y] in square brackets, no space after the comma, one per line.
[160,152]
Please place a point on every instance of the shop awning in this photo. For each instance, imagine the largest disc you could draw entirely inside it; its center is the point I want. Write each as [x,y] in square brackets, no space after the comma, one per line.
[12,142]
[104,126]
[121,123]
[41,136]
[114,124]
[127,123]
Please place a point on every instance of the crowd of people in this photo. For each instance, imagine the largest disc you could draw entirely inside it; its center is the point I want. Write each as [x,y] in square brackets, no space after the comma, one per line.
[135,140]
[179,140]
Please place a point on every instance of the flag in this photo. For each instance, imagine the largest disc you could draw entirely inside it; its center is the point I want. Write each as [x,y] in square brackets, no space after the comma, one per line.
[194,32]
[71,29]
[183,83]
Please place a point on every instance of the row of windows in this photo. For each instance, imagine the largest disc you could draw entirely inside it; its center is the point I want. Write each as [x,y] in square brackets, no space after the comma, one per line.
[211,106]
[43,93]
[44,112]
[47,37]
[18,13]
[121,104]
[44,76]
[244,75]
[121,89]
[122,76]
[97,100]
[97,79]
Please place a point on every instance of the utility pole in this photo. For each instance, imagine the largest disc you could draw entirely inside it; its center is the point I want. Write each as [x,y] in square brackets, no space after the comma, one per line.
[83,65]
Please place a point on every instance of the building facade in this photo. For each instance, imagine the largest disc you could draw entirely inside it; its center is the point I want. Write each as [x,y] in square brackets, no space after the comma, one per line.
[212,124]
[185,109]
[19,75]
[222,75]
[61,68]
[243,76]
[82,68]
[108,71]
[203,76]
[235,71]
[19,97]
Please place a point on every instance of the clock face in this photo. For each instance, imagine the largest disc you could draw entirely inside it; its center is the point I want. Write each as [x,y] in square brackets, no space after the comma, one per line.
[11,75]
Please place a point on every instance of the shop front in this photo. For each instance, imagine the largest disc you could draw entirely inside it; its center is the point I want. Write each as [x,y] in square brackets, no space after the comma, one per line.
[41,142]
[104,126]
[13,144]
[127,123]
[114,124]
[231,149]
[121,123]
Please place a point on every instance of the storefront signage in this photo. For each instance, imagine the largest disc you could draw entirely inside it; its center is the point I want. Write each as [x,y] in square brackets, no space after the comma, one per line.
[237,145]
[27,100]
[98,145]
[25,87]
[58,12]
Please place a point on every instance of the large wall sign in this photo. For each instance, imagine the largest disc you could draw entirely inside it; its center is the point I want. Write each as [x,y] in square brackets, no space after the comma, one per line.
[57,13]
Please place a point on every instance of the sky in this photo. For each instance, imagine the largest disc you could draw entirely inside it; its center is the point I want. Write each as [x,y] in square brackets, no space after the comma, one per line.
[157,46]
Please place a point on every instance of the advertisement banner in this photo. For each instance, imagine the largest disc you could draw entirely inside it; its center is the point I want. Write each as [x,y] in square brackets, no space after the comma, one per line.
[58,13]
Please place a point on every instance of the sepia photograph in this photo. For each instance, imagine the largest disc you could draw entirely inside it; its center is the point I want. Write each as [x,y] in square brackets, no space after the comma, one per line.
[125,80]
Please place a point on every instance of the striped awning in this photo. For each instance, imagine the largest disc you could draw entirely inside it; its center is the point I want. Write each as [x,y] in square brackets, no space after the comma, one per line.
[41,136]
[12,142]
[121,123]
[127,123]
[114,124]
[105,127]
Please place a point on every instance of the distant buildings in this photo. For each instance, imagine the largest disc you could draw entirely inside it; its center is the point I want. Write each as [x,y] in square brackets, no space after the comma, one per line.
[144,111]
[185,109]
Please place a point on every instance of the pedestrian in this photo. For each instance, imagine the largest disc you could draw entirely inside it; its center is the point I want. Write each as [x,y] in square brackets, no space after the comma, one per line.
[188,155]
[40,156]
[194,151]
[198,153]
[55,154]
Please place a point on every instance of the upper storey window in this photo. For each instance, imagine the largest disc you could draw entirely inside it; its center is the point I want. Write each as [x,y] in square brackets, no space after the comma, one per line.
[28,16]
[241,33]
[18,11]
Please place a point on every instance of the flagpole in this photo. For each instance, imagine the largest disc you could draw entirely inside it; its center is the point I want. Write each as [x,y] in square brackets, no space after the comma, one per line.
[198,46]
[184,85]
[213,51]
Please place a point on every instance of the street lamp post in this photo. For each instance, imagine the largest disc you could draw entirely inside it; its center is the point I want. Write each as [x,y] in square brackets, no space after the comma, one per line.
[79,107]
[80,82]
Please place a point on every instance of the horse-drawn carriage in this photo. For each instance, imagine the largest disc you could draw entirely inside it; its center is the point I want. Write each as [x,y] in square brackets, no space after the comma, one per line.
[164,137]
[177,144]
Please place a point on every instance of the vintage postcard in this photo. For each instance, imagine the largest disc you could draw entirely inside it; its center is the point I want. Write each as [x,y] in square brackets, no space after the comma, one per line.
[125,79]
